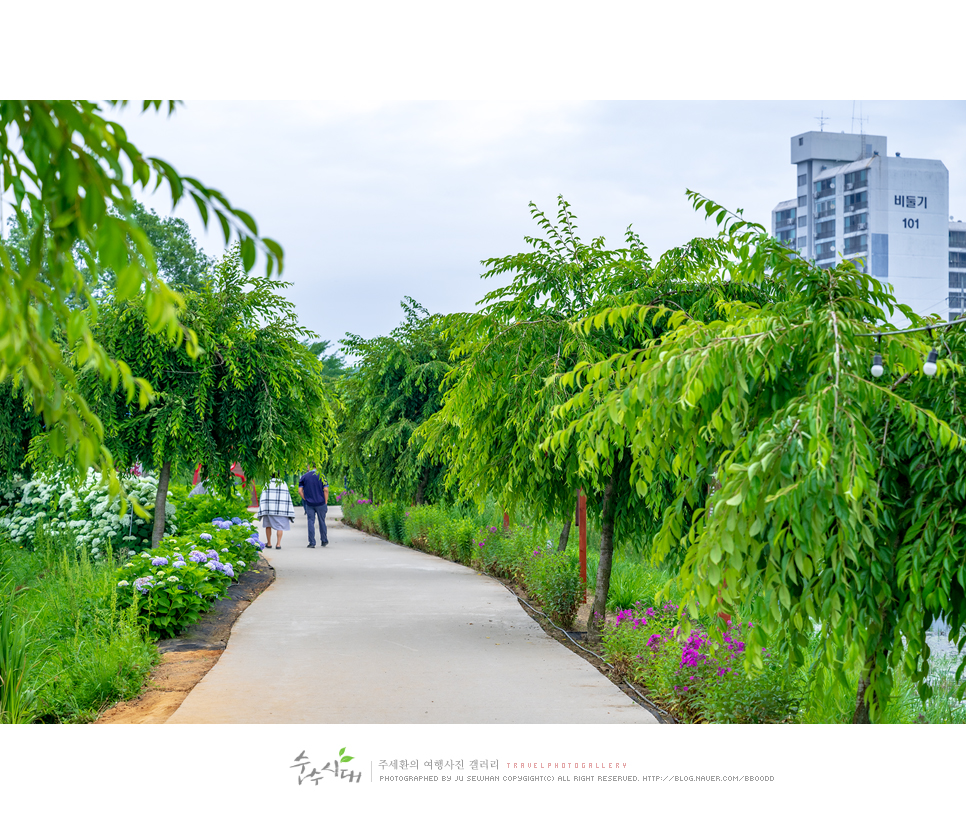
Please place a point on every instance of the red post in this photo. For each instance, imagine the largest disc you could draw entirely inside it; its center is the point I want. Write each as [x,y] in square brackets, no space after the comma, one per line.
[506,520]
[582,528]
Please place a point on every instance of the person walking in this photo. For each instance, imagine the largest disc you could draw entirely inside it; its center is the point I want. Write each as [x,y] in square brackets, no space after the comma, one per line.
[276,509]
[314,491]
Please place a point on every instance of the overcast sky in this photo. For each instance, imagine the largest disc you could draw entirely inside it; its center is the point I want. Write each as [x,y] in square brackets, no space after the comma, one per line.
[375,201]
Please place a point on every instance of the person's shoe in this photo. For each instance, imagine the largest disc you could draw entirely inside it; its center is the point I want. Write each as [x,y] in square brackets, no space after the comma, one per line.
[278,547]
[324,544]
[310,546]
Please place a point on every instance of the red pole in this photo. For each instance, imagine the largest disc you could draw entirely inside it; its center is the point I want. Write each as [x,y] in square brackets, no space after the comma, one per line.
[506,520]
[582,527]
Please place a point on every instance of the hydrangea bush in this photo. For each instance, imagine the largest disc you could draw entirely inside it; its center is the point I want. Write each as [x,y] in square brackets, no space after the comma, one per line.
[86,510]
[174,584]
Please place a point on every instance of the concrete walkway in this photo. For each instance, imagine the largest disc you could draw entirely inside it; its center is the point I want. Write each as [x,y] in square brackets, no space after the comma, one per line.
[365,631]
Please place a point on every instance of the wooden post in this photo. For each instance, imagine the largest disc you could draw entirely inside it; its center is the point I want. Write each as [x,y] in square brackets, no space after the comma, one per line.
[582,536]
[506,520]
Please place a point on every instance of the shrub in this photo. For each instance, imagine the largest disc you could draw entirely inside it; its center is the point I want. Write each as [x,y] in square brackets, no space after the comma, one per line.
[85,513]
[201,510]
[177,582]
[554,580]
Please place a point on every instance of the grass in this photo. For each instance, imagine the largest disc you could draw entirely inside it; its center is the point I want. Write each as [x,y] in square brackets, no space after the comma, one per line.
[82,652]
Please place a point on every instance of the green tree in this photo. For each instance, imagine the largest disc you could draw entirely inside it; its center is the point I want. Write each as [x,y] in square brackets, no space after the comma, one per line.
[817,493]
[181,263]
[255,394]
[392,389]
[333,363]
[71,172]
[502,397]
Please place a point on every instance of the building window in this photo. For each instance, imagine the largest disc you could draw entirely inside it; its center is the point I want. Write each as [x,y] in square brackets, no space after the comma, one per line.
[856,244]
[787,238]
[955,300]
[957,259]
[856,222]
[824,230]
[802,179]
[825,250]
[824,209]
[957,239]
[861,264]
[802,241]
[802,221]
[802,201]
[957,280]
[826,187]
[801,141]
[785,218]
[856,201]
[857,179]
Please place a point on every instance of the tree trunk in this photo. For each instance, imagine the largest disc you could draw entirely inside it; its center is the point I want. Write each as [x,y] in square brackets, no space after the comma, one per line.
[599,608]
[565,535]
[861,714]
[159,503]
[421,487]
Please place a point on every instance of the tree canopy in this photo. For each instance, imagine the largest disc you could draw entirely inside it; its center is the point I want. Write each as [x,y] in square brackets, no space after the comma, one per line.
[802,484]
[71,172]
[254,394]
[392,389]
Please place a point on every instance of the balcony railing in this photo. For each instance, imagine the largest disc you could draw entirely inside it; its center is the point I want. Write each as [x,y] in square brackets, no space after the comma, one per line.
[825,235]
[856,206]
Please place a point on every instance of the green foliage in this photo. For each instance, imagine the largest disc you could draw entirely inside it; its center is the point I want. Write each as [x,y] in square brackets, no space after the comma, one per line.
[799,482]
[254,394]
[177,582]
[190,512]
[83,652]
[17,702]
[71,173]
[392,389]
[18,425]
[554,579]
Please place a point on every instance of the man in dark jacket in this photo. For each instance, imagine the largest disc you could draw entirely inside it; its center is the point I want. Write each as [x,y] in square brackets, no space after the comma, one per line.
[314,491]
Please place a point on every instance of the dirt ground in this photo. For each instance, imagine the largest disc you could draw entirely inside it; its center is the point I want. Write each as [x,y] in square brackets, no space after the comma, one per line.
[167,687]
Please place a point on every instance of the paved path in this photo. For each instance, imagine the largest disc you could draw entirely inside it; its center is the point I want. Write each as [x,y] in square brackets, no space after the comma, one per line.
[365,631]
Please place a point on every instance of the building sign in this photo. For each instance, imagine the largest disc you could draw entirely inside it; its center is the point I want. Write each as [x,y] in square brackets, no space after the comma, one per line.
[911,202]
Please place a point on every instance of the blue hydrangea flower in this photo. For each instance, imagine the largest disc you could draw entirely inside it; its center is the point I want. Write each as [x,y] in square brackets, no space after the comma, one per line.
[213,554]
[227,569]
[236,521]
[158,561]
[205,537]
[179,563]
[197,556]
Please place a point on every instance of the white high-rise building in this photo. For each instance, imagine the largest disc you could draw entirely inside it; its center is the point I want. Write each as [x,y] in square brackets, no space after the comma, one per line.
[889,215]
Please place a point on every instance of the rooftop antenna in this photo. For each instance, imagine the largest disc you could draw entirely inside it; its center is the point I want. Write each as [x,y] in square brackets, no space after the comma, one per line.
[821,121]
[862,121]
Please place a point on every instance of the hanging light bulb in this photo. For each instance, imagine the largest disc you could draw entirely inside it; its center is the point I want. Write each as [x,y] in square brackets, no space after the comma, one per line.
[877,368]
[929,367]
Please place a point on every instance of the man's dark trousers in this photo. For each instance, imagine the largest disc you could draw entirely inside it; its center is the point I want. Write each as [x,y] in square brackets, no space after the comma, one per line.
[311,511]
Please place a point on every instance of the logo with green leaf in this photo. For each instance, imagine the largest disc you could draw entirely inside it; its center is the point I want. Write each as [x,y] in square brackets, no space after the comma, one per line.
[343,758]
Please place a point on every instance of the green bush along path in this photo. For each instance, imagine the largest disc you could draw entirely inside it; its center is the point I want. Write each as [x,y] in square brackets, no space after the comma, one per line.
[366,631]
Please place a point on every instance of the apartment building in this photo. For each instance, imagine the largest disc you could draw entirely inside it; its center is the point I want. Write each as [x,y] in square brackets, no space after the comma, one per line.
[887,214]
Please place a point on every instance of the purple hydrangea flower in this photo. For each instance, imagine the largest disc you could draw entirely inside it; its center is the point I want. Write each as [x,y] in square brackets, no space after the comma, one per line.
[179,563]
[236,521]
[158,561]
[144,584]
[197,556]
[213,554]
[205,537]
[227,569]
